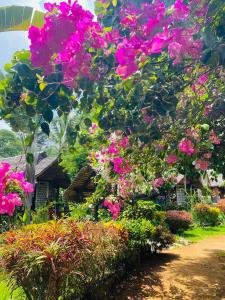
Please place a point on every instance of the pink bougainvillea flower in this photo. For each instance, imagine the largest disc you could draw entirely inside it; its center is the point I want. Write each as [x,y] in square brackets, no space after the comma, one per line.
[123,143]
[113,149]
[113,36]
[214,138]
[208,108]
[171,159]
[157,183]
[181,11]
[208,155]
[114,208]
[10,182]
[126,71]
[201,164]
[93,128]
[186,146]
[175,52]
[193,134]
[201,81]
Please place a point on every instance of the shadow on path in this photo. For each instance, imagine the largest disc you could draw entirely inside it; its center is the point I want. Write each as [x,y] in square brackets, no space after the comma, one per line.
[196,272]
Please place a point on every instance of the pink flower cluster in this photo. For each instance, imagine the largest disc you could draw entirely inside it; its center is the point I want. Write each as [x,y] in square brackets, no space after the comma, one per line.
[214,138]
[114,208]
[150,29]
[153,28]
[186,146]
[157,183]
[115,168]
[171,159]
[201,164]
[68,33]
[10,183]
[93,128]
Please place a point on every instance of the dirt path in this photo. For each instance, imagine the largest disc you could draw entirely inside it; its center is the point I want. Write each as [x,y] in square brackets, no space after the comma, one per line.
[195,272]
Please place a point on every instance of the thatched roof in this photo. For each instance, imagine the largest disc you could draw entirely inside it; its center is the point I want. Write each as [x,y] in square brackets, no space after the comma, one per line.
[82,183]
[46,169]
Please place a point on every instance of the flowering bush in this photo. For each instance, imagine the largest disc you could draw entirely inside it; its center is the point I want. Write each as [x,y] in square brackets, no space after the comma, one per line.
[12,186]
[178,220]
[143,210]
[62,259]
[143,31]
[207,215]
[221,205]
[117,170]
[145,237]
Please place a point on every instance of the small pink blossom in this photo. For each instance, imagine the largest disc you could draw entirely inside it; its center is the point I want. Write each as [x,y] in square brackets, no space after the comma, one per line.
[93,128]
[201,164]
[208,155]
[171,159]
[214,138]
[208,109]
[114,208]
[186,146]
[157,183]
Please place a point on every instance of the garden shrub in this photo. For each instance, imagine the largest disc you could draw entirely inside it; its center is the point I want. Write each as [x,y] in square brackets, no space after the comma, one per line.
[207,215]
[221,205]
[62,258]
[143,210]
[146,237]
[41,215]
[178,220]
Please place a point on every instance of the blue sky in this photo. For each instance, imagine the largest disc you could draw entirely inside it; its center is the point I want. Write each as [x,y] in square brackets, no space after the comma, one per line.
[13,41]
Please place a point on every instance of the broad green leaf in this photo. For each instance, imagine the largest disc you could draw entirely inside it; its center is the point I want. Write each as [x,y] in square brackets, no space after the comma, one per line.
[29,158]
[48,115]
[19,18]
[25,216]
[45,128]
[29,140]
[87,122]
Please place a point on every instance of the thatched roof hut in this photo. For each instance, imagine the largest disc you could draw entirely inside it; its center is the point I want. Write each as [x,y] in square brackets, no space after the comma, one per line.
[49,177]
[82,186]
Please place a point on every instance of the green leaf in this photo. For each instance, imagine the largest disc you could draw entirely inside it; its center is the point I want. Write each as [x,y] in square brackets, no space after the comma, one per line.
[205,127]
[48,115]
[29,140]
[42,86]
[30,99]
[7,67]
[87,122]
[25,216]
[29,158]
[45,128]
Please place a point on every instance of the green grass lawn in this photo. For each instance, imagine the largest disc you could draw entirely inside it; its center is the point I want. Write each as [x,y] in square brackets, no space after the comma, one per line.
[198,233]
[5,291]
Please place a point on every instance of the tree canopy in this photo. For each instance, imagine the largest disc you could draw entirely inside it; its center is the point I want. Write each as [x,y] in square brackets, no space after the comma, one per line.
[145,82]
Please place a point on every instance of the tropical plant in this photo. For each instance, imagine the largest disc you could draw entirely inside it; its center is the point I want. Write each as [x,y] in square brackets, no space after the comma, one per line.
[11,144]
[221,205]
[147,70]
[178,220]
[62,259]
[207,215]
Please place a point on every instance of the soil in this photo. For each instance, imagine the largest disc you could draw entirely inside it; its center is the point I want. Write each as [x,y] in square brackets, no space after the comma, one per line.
[194,272]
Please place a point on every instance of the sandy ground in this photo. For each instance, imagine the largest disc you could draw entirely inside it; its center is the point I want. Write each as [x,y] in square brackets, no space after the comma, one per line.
[194,272]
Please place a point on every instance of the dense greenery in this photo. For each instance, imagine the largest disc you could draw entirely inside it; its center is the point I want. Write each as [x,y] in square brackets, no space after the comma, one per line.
[138,94]
[11,145]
